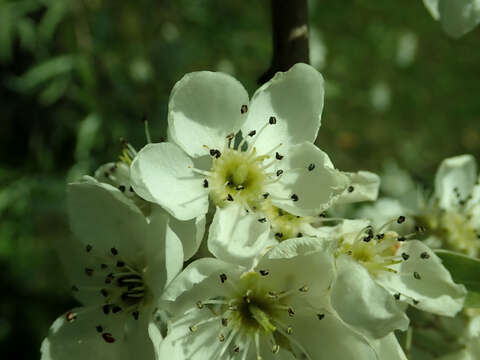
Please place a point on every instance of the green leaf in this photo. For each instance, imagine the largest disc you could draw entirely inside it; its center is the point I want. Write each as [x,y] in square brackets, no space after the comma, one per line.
[464,270]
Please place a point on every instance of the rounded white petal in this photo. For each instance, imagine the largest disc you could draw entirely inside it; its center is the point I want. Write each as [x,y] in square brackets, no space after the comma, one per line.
[164,253]
[301,191]
[424,282]
[162,173]
[190,233]
[458,17]
[364,186]
[295,99]
[79,339]
[102,217]
[205,107]
[454,180]
[363,304]
[237,238]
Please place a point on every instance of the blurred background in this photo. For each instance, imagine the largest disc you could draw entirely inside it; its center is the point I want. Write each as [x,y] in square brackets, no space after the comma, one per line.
[76,75]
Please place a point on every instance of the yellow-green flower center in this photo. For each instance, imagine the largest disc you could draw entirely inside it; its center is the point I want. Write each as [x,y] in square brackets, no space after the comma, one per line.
[459,234]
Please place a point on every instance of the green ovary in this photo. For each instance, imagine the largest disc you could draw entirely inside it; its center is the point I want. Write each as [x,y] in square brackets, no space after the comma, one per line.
[238,174]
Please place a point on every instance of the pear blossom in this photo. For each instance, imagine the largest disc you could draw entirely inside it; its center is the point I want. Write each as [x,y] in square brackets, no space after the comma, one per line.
[278,308]
[119,267]
[379,272]
[228,150]
[458,17]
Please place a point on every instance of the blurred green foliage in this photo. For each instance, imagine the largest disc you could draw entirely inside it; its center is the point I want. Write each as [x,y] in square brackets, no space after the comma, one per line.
[76,75]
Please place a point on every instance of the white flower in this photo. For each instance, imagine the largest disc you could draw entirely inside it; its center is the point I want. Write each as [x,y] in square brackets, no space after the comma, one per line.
[379,271]
[455,219]
[278,308]
[275,161]
[458,17]
[119,270]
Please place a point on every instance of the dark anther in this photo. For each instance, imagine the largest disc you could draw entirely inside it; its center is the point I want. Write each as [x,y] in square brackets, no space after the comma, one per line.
[320,316]
[294,197]
[272,120]
[299,235]
[279,172]
[396,296]
[416,275]
[88,248]
[230,197]
[262,220]
[243,109]
[116,309]
[135,314]
[405,256]
[278,235]
[278,156]
[401,219]
[424,255]
[402,238]
[88,271]
[107,175]
[108,338]
[215,153]
[264,272]
[236,348]
[120,263]
[121,188]
[350,189]
[367,238]
[71,316]
[74,288]
[252,133]
[266,195]
[114,251]
[223,278]
[290,312]
[104,292]
[240,187]
[311,167]
[415,302]
[205,183]
[106,309]
[131,189]
[224,322]
[370,232]
[99,328]
[380,236]
[323,215]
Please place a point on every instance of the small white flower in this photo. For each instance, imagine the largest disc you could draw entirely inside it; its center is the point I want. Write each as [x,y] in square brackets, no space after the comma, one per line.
[119,269]
[278,308]
[458,17]
[379,271]
[276,159]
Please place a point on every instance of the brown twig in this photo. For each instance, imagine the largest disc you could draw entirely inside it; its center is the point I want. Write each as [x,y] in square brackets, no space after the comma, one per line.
[289,34]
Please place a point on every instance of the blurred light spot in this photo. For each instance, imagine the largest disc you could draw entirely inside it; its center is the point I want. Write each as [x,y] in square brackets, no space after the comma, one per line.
[169,32]
[141,70]
[406,49]
[380,95]
[345,140]
[318,50]
[226,66]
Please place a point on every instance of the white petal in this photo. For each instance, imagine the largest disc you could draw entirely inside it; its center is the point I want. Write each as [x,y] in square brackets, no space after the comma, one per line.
[237,238]
[198,281]
[190,233]
[164,253]
[295,98]
[80,340]
[364,186]
[388,348]
[459,173]
[101,216]
[162,173]
[298,262]
[315,189]
[362,303]
[458,17]
[432,287]
[205,107]
[329,338]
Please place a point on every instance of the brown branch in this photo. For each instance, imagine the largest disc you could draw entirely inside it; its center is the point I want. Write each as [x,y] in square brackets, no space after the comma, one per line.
[289,34]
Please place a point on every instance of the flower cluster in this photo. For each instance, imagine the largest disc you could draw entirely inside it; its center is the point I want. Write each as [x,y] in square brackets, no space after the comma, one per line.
[216,244]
